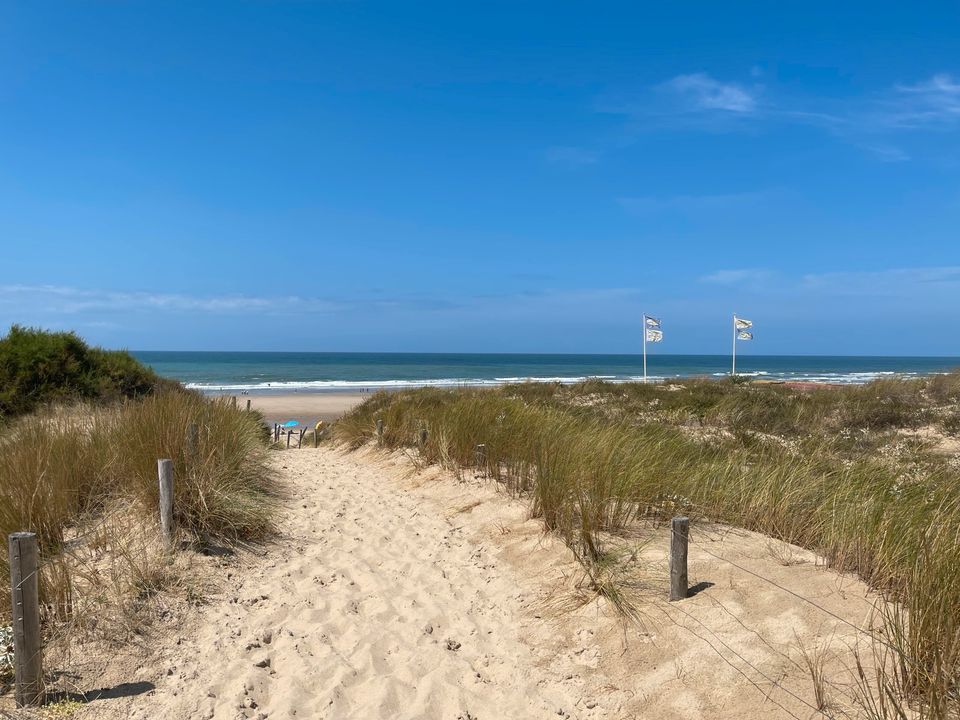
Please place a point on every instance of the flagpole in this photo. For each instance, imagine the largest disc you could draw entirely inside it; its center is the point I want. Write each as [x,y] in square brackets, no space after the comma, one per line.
[733,370]
[644,348]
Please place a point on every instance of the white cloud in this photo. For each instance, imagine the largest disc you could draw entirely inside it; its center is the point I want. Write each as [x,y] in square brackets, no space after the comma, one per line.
[706,93]
[70,300]
[907,285]
[699,101]
[930,102]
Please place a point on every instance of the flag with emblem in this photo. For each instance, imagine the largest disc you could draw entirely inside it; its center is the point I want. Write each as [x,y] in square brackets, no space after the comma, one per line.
[741,331]
[651,333]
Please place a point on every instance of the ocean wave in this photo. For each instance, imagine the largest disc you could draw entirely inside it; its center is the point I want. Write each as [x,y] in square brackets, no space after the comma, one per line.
[832,378]
[320,385]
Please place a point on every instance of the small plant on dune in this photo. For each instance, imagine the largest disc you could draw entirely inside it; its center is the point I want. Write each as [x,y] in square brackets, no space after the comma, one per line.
[815,660]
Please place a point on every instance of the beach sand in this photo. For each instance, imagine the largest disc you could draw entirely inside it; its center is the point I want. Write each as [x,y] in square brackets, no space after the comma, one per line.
[303,407]
[395,591]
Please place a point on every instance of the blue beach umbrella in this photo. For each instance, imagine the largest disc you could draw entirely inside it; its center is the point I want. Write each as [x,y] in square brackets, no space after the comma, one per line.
[289,424]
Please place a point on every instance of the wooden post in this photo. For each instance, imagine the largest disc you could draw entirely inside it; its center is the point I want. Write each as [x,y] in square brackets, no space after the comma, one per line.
[233,401]
[679,537]
[165,474]
[481,455]
[248,404]
[379,431]
[191,441]
[276,432]
[303,431]
[316,438]
[289,435]
[25,604]
[423,436]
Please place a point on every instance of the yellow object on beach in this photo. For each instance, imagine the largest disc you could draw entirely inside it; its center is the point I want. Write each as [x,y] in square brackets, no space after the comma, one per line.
[319,426]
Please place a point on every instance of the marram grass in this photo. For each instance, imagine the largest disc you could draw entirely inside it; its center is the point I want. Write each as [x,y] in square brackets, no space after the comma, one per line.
[818,469]
[63,469]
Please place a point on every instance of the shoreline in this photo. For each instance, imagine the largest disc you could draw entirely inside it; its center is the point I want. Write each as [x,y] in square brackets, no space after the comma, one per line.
[367,388]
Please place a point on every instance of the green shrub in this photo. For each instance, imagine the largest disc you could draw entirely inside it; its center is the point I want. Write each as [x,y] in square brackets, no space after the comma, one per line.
[39,367]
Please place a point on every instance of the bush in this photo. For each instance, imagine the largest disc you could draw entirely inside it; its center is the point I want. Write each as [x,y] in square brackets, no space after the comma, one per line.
[39,367]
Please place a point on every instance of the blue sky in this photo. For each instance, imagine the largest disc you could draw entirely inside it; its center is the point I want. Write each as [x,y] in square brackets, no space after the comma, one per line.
[516,176]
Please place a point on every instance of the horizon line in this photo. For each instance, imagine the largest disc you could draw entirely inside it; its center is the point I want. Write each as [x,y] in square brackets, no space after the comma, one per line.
[556,354]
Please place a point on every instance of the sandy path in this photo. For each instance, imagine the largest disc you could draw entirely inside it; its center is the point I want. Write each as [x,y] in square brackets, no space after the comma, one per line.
[379,608]
[399,593]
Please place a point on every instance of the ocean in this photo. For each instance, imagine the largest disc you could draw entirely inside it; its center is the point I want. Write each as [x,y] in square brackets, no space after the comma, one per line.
[279,372]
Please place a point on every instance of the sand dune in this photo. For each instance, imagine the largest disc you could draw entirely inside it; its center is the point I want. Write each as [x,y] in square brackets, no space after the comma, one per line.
[404,594]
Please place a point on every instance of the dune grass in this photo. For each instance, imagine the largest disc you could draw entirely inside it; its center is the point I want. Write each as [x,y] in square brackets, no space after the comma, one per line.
[65,470]
[829,470]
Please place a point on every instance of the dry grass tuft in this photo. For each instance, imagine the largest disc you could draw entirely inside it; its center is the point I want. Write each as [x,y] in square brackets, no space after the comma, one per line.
[85,480]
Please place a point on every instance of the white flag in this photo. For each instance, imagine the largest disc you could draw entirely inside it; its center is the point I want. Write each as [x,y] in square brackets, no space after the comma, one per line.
[742,324]
[651,322]
[744,335]
[654,335]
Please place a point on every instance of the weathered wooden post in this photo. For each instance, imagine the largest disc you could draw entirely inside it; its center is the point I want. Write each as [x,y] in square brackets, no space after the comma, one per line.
[423,435]
[679,537]
[191,441]
[276,432]
[316,437]
[303,431]
[481,456]
[25,604]
[248,404]
[379,431]
[289,435]
[233,401]
[165,474]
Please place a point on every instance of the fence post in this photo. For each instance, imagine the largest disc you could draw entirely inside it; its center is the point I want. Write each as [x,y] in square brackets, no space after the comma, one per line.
[248,404]
[316,438]
[303,431]
[481,456]
[25,604]
[379,431]
[191,441]
[233,401]
[165,474]
[289,435]
[423,436]
[679,537]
